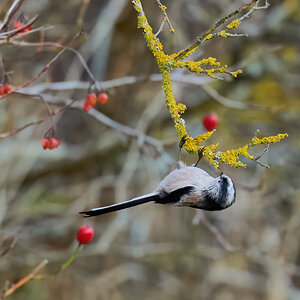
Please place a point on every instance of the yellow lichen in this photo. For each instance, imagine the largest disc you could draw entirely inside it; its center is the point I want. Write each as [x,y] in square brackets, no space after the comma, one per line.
[210,73]
[224,34]
[208,37]
[210,61]
[192,66]
[181,108]
[268,139]
[233,24]
[202,137]
[231,157]
[236,73]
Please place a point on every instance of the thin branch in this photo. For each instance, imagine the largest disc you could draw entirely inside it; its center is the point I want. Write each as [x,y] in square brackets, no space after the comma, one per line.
[254,7]
[200,216]
[109,84]
[209,31]
[53,60]
[25,279]
[165,19]
[10,13]
[7,243]
[160,28]
[256,159]
[99,117]
[126,130]
[228,102]
[50,111]
[84,6]
[58,45]
[4,40]
[15,131]
[9,34]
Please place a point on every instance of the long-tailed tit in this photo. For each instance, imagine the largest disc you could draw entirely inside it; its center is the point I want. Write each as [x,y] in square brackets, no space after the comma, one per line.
[185,186]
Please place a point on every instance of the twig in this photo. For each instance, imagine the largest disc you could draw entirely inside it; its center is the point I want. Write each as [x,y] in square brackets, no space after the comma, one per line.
[228,102]
[53,60]
[255,7]
[10,13]
[81,85]
[58,45]
[200,216]
[50,111]
[9,34]
[256,159]
[4,39]
[13,132]
[9,243]
[98,116]
[265,151]
[25,279]
[84,5]
[165,19]
[209,31]
[126,130]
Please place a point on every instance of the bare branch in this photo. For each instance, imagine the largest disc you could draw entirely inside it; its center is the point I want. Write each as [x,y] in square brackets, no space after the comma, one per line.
[200,216]
[9,34]
[126,130]
[10,13]
[25,279]
[53,60]
[228,102]
[58,45]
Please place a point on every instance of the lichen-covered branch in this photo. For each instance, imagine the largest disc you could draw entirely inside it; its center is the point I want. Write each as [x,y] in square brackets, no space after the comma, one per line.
[209,66]
[166,19]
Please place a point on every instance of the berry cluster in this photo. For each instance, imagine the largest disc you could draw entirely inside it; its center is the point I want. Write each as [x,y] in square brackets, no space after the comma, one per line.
[5,89]
[91,100]
[50,143]
[210,121]
[19,24]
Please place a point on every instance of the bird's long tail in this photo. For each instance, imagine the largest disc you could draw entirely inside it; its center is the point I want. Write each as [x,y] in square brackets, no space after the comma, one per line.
[115,207]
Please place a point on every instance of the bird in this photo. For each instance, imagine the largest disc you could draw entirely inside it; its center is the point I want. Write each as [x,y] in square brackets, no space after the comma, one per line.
[185,186]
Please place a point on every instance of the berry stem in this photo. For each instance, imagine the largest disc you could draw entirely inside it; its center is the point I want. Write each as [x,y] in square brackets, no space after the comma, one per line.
[69,261]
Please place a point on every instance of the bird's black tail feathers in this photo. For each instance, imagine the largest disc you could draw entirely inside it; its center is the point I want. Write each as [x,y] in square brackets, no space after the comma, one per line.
[115,207]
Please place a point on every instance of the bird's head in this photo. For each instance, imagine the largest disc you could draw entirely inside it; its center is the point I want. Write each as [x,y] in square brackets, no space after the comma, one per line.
[227,191]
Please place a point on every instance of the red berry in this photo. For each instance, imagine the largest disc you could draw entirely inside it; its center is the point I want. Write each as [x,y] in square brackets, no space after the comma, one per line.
[19,24]
[85,234]
[45,143]
[5,89]
[91,99]
[50,143]
[87,106]
[210,121]
[102,98]
[54,143]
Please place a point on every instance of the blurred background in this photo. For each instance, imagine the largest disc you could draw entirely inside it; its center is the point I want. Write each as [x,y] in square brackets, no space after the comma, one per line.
[151,251]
